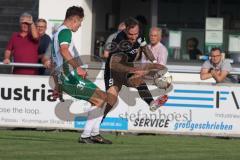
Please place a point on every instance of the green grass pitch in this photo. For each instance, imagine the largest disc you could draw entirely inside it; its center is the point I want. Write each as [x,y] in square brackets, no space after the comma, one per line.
[42,145]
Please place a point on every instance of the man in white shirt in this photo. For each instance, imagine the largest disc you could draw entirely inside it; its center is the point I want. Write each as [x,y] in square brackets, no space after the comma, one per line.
[158,49]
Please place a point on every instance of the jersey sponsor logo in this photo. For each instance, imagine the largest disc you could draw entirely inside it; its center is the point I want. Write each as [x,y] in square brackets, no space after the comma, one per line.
[81,85]
[133,51]
[123,46]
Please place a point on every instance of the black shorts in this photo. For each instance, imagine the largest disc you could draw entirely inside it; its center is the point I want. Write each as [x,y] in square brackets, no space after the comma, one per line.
[116,79]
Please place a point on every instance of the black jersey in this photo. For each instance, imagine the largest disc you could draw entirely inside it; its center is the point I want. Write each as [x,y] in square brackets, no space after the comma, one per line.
[121,45]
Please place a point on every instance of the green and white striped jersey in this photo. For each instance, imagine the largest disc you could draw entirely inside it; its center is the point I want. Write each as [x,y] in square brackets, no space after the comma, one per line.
[62,36]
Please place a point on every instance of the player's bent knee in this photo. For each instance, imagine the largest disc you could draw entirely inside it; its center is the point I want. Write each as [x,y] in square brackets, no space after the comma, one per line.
[99,98]
[101,95]
[99,103]
[112,95]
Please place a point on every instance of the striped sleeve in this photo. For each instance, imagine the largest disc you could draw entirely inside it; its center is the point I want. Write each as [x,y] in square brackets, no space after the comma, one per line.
[64,37]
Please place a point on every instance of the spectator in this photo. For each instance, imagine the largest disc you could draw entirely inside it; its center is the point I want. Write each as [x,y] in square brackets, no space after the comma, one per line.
[217,68]
[107,47]
[192,48]
[158,49]
[23,46]
[44,42]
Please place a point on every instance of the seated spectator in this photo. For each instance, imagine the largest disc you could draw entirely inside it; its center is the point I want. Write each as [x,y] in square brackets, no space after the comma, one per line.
[158,49]
[217,68]
[23,46]
[192,48]
[44,42]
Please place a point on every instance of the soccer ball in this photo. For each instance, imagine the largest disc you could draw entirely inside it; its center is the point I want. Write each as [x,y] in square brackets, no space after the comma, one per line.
[162,81]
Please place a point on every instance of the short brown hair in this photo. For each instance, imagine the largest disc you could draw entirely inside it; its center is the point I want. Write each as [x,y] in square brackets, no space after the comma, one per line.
[215,49]
[131,22]
[74,11]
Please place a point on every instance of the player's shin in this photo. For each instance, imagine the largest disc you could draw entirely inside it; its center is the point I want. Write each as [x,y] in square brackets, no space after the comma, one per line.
[93,114]
[98,119]
[145,94]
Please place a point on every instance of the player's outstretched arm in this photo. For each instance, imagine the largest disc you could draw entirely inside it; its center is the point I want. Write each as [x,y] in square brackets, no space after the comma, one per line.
[67,56]
[148,53]
[117,64]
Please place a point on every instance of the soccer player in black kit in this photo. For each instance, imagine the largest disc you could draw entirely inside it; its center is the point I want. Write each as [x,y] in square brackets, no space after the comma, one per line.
[127,48]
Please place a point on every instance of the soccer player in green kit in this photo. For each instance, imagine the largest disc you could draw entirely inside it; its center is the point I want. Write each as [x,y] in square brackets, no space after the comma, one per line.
[71,78]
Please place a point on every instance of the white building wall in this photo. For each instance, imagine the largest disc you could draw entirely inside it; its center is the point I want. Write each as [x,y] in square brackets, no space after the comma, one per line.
[54,12]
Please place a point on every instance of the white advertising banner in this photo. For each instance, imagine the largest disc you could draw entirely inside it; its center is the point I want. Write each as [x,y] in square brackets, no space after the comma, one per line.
[54,12]
[192,109]
[26,101]
[202,109]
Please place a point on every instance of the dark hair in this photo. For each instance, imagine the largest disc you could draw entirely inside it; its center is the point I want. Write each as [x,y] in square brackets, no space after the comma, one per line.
[74,11]
[141,19]
[192,42]
[216,49]
[130,23]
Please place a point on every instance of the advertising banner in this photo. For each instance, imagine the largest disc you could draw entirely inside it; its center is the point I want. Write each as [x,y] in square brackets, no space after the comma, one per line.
[26,101]
[192,109]
[201,109]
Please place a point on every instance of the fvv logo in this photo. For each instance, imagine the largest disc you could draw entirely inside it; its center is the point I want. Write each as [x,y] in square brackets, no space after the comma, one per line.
[195,98]
[225,95]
